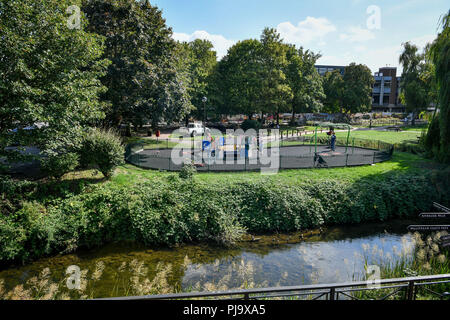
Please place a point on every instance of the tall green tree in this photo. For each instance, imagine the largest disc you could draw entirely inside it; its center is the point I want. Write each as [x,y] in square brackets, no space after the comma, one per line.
[275,91]
[200,60]
[415,83]
[304,81]
[333,86]
[440,54]
[49,73]
[357,94]
[238,81]
[142,80]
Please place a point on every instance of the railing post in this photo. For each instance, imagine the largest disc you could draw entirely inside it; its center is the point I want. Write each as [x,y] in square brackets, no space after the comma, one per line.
[411,289]
[333,294]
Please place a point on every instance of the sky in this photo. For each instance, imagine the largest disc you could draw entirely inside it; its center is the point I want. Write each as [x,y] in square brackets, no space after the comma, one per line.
[370,32]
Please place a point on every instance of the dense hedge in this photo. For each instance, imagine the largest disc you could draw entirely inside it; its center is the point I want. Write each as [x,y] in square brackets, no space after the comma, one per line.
[173,210]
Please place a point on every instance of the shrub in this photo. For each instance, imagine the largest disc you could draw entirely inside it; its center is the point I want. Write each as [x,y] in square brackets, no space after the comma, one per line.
[12,240]
[187,170]
[250,124]
[172,211]
[102,148]
[57,165]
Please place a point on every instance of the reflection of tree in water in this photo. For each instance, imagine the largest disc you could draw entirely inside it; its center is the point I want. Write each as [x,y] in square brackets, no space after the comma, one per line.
[134,269]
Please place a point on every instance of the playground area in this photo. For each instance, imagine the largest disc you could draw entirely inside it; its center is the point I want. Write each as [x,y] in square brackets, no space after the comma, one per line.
[290,157]
[241,154]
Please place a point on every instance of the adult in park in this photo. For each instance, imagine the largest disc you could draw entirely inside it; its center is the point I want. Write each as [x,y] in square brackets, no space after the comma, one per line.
[333,141]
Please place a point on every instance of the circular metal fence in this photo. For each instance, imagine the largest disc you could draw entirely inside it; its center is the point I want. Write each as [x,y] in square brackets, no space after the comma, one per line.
[291,153]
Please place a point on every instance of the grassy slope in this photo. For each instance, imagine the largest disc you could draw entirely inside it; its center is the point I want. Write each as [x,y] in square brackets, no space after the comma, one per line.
[401,162]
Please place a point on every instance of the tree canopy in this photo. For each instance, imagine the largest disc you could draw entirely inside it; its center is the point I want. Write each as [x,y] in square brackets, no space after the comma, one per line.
[416,83]
[440,55]
[48,73]
[142,79]
[357,93]
[267,76]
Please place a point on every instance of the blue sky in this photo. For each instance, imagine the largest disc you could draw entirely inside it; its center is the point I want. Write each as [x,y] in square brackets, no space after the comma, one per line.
[338,29]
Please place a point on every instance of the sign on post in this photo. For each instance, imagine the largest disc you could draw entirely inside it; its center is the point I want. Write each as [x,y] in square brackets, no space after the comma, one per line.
[429,228]
[432,215]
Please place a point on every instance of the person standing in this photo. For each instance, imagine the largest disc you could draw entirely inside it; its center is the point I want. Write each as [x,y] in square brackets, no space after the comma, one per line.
[333,141]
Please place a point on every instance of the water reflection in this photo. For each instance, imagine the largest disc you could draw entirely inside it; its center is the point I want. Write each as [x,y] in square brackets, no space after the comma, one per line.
[335,255]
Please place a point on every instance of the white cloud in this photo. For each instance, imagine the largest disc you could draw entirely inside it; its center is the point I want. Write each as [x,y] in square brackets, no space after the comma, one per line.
[422,41]
[309,30]
[373,58]
[357,34]
[220,43]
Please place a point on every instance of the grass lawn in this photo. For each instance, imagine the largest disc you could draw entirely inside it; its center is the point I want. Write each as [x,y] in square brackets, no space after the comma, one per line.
[385,136]
[150,143]
[401,162]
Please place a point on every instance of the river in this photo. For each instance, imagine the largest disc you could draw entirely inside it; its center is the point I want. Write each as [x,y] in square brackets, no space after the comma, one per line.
[336,254]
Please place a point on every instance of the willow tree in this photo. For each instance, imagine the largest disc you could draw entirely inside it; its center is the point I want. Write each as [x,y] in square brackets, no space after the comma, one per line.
[440,52]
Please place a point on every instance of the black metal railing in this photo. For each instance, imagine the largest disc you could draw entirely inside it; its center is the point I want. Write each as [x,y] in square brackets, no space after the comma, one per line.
[400,288]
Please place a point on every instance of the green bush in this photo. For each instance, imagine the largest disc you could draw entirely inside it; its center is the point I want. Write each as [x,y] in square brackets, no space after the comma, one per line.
[102,148]
[57,165]
[250,124]
[12,240]
[187,170]
[173,211]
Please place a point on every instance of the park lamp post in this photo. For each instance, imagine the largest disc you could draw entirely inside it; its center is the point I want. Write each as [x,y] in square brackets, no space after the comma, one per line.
[205,99]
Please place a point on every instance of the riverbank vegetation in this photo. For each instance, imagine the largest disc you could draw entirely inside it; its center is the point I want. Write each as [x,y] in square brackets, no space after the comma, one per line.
[46,218]
[424,256]
[415,255]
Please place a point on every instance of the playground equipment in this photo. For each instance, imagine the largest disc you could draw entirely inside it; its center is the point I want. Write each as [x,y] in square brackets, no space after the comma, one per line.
[333,126]
[240,148]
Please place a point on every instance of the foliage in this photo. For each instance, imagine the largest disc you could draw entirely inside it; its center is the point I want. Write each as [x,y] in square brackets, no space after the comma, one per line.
[440,55]
[237,79]
[57,165]
[416,80]
[48,73]
[304,81]
[171,211]
[250,124]
[432,139]
[187,171]
[357,93]
[274,91]
[198,60]
[333,86]
[142,80]
[102,148]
